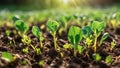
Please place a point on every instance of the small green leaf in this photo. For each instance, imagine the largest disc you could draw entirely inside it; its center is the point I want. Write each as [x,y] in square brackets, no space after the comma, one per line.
[67,46]
[62,21]
[105,35]
[37,33]
[41,63]
[97,57]
[38,51]
[25,50]
[86,31]
[108,59]
[52,26]
[24,62]
[8,32]
[15,18]
[80,49]
[88,41]
[21,26]
[97,27]
[112,44]
[74,35]
[7,56]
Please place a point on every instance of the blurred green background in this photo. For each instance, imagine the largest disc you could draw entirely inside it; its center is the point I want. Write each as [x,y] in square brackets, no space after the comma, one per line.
[48,4]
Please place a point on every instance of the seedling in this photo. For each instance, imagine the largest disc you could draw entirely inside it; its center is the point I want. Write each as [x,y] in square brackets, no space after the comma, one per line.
[22,30]
[115,21]
[105,35]
[25,50]
[97,57]
[74,37]
[8,32]
[7,56]
[63,23]
[41,63]
[26,40]
[53,27]
[21,27]
[24,62]
[38,34]
[108,59]
[97,27]
[87,30]
[38,51]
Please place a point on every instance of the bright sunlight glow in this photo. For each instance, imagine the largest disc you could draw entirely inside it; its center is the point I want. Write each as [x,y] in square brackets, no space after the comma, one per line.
[65,1]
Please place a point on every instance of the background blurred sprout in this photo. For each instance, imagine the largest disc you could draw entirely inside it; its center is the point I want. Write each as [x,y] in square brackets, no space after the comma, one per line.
[15,18]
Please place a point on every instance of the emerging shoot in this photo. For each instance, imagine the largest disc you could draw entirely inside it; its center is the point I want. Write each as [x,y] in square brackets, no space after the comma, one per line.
[53,27]
[97,28]
[74,37]
[36,32]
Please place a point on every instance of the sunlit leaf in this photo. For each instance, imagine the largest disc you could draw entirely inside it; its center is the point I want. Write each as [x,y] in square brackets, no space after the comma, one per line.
[74,35]
[52,26]
[7,56]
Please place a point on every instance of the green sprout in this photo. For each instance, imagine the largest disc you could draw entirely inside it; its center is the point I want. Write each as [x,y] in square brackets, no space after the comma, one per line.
[63,23]
[26,40]
[87,30]
[41,63]
[81,49]
[53,27]
[24,62]
[8,32]
[105,35]
[74,37]
[108,59]
[97,28]
[38,51]
[97,57]
[25,50]
[38,34]
[7,56]
[21,27]
[22,30]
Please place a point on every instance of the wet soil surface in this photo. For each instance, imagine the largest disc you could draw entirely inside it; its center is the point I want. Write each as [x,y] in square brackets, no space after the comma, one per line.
[52,58]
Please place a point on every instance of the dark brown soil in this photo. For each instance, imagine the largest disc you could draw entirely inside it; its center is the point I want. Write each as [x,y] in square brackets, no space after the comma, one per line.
[51,57]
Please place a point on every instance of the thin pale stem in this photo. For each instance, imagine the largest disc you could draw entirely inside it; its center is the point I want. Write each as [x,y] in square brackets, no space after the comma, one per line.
[41,44]
[54,38]
[75,50]
[95,46]
[33,47]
